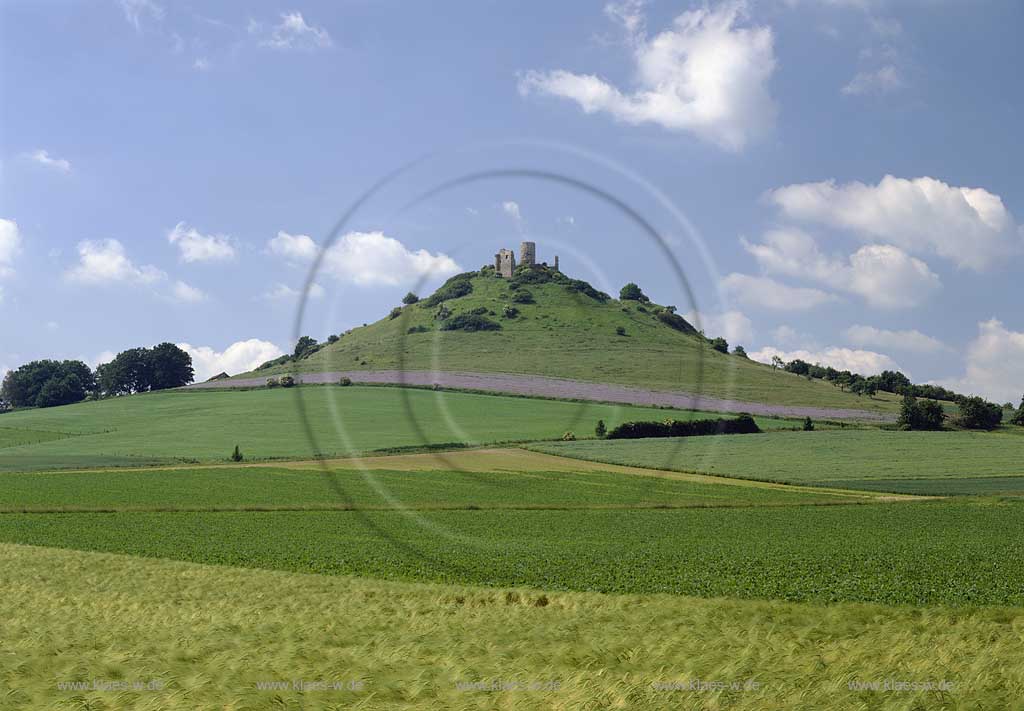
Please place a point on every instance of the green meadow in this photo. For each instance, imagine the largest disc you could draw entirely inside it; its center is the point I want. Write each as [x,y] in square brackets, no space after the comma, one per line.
[204,426]
[939,463]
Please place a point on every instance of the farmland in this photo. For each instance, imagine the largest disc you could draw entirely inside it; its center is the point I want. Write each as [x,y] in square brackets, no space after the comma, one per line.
[932,553]
[204,426]
[74,616]
[940,463]
[475,479]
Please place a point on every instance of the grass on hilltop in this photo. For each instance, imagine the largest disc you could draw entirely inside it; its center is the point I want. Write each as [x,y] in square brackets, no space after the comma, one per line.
[208,636]
[939,463]
[204,426]
[570,335]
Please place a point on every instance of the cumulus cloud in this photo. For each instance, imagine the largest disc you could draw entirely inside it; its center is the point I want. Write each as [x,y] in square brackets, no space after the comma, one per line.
[283,292]
[10,246]
[194,246]
[43,157]
[994,365]
[296,248]
[239,357]
[969,226]
[767,293]
[856,361]
[880,81]
[293,32]
[367,259]
[733,326]
[707,75]
[187,294]
[909,340]
[105,262]
[885,276]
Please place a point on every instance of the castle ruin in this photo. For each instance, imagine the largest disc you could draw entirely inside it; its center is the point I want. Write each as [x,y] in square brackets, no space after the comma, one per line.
[505,259]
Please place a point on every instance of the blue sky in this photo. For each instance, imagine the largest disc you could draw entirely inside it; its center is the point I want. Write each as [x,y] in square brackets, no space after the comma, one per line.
[847,171]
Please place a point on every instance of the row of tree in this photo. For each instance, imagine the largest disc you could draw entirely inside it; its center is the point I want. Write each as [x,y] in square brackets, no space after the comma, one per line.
[46,383]
[890,381]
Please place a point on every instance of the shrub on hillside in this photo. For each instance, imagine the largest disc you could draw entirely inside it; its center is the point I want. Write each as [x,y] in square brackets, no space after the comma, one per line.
[569,437]
[677,322]
[345,382]
[470,323]
[274,362]
[333,338]
[720,345]
[920,414]
[287,381]
[523,297]
[510,312]
[632,292]
[601,431]
[740,351]
[236,456]
[479,311]
[578,286]
[741,424]
[459,285]
[978,414]
[418,329]
[808,425]
[410,298]
[395,312]
[620,330]
[273,382]
[305,347]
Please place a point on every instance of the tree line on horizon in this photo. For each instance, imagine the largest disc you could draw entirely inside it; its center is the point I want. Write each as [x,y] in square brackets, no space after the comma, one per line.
[48,383]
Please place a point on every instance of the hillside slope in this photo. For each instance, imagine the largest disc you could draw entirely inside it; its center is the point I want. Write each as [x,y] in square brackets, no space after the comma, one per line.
[565,334]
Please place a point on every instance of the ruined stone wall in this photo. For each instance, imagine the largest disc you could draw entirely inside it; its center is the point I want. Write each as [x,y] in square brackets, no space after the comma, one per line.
[528,253]
[505,263]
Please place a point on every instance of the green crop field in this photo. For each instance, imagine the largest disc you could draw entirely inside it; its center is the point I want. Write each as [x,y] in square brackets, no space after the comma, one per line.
[940,463]
[470,479]
[571,335]
[204,426]
[211,637]
[949,553]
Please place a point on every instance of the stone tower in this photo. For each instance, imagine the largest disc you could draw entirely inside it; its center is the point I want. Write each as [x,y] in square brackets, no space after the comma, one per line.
[505,263]
[528,253]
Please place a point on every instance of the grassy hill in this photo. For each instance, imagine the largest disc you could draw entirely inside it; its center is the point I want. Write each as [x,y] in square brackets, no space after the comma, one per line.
[565,333]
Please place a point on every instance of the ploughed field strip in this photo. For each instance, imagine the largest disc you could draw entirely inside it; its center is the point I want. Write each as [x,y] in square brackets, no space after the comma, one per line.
[68,616]
[204,426]
[924,463]
[473,479]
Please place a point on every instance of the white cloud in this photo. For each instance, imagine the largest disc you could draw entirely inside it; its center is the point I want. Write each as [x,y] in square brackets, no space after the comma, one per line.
[511,209]
[44,158]
[105,262]
[885,276]
[10,246]
[733,326]
[909,340]
[767,293]
[136,10]
[239,357]
[293,33]
[201,64]
[283,292]
[994,365]
[196,247]
[187,294]
[969,226]
[367,258]
[856,361]
[705,75]
[100,359]
[788,336]
[297,248]
[880,81]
